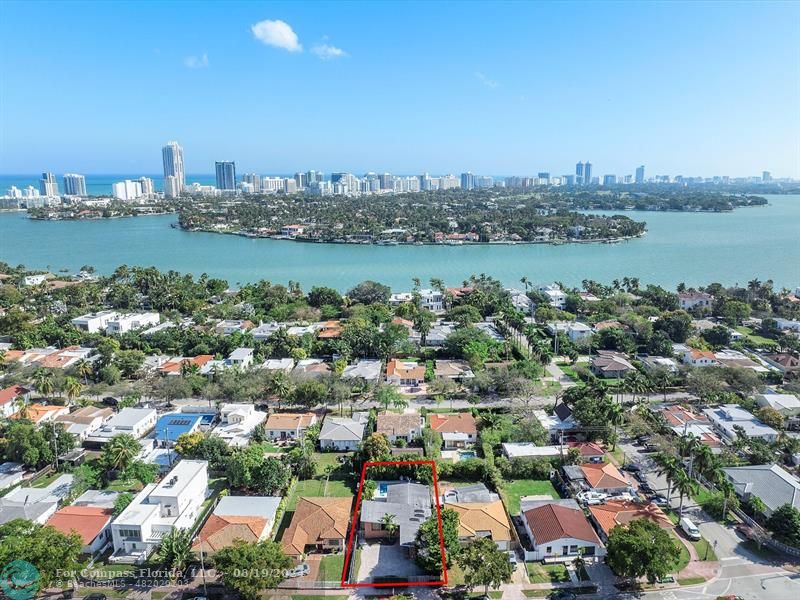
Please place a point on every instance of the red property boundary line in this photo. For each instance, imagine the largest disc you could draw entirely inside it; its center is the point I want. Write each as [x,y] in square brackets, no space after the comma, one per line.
[354,527]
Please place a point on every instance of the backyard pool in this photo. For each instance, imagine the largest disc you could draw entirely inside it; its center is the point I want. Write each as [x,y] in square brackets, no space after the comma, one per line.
[467,454]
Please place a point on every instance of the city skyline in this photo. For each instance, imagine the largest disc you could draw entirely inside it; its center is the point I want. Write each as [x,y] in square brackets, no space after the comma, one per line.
[405,87]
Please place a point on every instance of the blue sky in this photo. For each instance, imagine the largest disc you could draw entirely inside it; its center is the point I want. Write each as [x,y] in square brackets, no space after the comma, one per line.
[685,88]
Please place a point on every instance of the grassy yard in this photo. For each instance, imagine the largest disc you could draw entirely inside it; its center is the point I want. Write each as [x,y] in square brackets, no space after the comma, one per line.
[691,580]
[331,567]
[539,573]
[46,480]
[325,459]
[316,487]
[704,549]
[514,490]
[753,339]
[684,557]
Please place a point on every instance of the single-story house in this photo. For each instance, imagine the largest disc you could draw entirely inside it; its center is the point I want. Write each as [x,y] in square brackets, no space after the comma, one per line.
[405,373]
[237,422]
[483,519]
[368,370]
[343,434]
[91,523]
[176,365]
[318,524]
[40,413]
[610,364]
[529,449]
[699,358]
[246,518]
[457,370]
[786,404]
[289,426]
[278,364]
[774,485]
[559,422]
[85,421]
[35,504]
[728,417]
[558,530]
[311,368]
[457,429]
[11,473]
[618,512]
[783,361]
[590,451]
[407,426]
[410,503]
[605,477]
[8,397]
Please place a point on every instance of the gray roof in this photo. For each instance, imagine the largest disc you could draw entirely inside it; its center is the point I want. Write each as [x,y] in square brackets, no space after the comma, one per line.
[248,506]
[369,370]
[97,498]
[471,493]
[771,483]
[574,472]
[10,510]
[128,417]
[341,429]
[410,503]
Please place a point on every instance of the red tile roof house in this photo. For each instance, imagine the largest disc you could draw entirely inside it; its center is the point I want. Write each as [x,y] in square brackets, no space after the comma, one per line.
[8,397]
[590,452]
[559,531]
[605,477]
[457,430]
[89,522]
[405,373]
[616,512]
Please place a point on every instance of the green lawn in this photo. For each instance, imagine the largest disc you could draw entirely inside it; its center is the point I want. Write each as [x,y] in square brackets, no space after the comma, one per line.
[691,580]
[539,573]
[512,491]
[684,557]
[331,567]
[317,488]
[704,549]
[455,575]
[46,480]
[124,485]
[753,339]
[325,459]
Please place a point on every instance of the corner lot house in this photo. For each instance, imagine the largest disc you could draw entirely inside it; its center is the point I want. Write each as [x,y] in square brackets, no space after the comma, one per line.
[457,430]
[173,503]
[289,426]
[342,434]
[89,522]
[410,503]
[246,518]
[616,512]
[728,416]
[318,524]
[483,519]
[774,485]
[406,426]
[558,530]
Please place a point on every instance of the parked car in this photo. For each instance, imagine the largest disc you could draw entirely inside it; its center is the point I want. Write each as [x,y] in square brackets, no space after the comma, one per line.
[650,447]
[689,528]
[659,500]
[512,557]
[645,488]
[592,497]
[631,467]
[298,571]
[642,439]
[562,595]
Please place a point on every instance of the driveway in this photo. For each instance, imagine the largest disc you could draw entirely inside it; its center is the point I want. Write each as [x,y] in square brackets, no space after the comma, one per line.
[378,560]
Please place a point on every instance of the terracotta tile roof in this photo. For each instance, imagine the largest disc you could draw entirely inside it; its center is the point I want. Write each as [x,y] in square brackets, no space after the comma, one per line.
[174,365]
[587,448]
[552,522]
[221,531]
[405,369]
[475,517]
[293,421]
[696,354]
[85,415]
[11,355]
[12,393]
[677,415]
[37,412]
[614,513]
[454,423]
[604,475]
[86,521]
[330,329]
[404,322]
[390,424]
[316,520]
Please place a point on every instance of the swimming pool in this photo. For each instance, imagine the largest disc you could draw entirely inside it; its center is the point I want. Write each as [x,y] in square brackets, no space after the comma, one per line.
[383,489]
[467,454]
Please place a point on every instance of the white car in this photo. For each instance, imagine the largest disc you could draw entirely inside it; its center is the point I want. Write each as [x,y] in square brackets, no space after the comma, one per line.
[298,571]
[592,497]
[690,529]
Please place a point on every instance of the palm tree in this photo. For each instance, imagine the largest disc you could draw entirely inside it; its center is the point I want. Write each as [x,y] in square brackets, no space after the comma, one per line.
[389,523]
[637,384]
[73,388]
[685,487]
[175,550]
[83,368]
[668,467]
[705,462]
[43,379]
[21,405]
[280,386]
[121,451]
[615,416]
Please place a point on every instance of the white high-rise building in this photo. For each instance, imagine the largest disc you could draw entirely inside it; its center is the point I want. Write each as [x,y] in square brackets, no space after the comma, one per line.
[30,192]
[289,185]
[148,189]
[254,180]
[172,188]
[126,190]
[48,185]
[172,155]
[14,192]
[74,184]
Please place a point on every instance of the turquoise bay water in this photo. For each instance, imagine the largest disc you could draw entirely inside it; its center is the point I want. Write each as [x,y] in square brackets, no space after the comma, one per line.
[695,248]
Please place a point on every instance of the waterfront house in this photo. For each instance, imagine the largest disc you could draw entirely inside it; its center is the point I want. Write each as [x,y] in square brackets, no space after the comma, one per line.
[693,299]
[610,364]
[771,483]
[91,523]
[621,512]
[246,518]
[558,531]
[410,505]
[289,426]
[173,503]
[343,434]
[407,426]
[317,525]
[405,373]
[728,417]
[457,429]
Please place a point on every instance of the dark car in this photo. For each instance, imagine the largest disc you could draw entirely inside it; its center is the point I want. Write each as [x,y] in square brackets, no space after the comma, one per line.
[642,439]
[631,467]
[110,401]
[562,595]
[645,488]
[648,447]
[95,597]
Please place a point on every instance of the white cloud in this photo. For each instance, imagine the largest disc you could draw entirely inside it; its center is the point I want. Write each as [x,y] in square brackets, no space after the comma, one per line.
[278,34]
[328,52]
[490,83]
[196,62]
